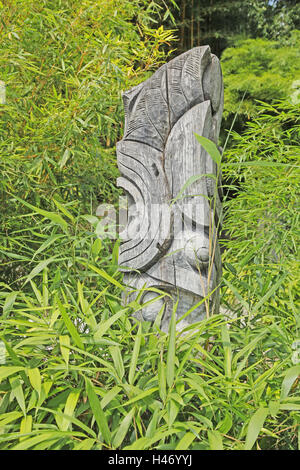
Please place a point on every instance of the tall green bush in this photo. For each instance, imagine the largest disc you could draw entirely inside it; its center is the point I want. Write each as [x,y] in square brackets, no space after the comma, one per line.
[65,65]
[262,173]
[258,69]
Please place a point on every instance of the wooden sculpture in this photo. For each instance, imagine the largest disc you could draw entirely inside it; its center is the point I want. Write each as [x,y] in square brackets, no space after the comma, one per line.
[170,241]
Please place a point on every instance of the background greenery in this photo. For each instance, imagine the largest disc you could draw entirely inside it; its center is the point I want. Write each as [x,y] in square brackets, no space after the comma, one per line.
[76,370]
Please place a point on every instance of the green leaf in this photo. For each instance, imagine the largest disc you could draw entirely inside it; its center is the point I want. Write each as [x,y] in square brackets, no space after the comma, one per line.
[173,409]
[26,426]
[7,418]
[261,163]
[225,425]
[118,361]
[171,350]
[96,247]
[66,155]
[39,267]
[153,423]
[9,303]
[85,444]
[35,379]
[70,419]
[98,412]
[210,147]
[64,210]
[162,380]
[254,427]
[64,343]
[289,378]
[110,395]
[45,437]
[104,326]
[215,440]
[123,429]
[6,371]
[70,325]
[69,409]
[47,243]
[106,276]
[268,294]
[17,391]
[185,441]
[135,354]
[192,179]
[55,218]
[237,294]
[227,350]
[274,407]
[140,396]
[290,406]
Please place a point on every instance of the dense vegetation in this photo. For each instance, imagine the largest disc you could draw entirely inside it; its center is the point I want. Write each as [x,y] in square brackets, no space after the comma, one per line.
[76,370]
[259,70]
[220,23]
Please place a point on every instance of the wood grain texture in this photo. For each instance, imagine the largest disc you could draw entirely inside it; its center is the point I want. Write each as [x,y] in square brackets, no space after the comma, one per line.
[170,242]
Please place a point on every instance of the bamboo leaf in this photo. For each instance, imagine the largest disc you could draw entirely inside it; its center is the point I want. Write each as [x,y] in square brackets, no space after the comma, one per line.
[185,441]
[96,247]
[192,179]
[35,379]
[171,350]
[70,325]
[98,411]
[9,303]
[227,350]
[210,147]
[45,437]
[123,429]
[64,343]
[106,276]
[135,354]
[85,444]
[162,380]
[140,396]
[17,391]
[215,440]
[55,218]
[254,427]
[289,378]
[69,409]
[118,361]
[6,371]
[104,326]
[39,267]
[26,426]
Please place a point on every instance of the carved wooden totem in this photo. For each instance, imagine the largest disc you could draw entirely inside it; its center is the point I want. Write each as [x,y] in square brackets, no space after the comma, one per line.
[170,241]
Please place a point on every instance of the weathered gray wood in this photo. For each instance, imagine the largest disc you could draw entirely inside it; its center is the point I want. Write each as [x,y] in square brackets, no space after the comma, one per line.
[170,242]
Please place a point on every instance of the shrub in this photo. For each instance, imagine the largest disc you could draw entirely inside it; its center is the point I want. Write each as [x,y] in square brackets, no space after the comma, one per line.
[258,69]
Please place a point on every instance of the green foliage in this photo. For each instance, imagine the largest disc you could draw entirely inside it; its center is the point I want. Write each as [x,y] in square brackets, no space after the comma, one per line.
[220,24]
[80,373]
[262,219]
[264,163]
[258,69]
[65,65]
[132,386]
